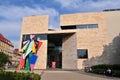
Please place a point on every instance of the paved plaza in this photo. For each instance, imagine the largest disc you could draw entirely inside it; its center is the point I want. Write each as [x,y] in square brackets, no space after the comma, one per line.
[73,75]
[69,75]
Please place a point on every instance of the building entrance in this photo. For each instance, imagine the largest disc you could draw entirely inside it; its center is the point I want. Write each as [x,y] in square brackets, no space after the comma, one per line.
[54,54]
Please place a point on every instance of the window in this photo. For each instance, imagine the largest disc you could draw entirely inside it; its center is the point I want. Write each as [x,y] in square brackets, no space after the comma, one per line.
[93,26]
[37,37]
[82,53]
[40,36]
[82,26]
[87,26]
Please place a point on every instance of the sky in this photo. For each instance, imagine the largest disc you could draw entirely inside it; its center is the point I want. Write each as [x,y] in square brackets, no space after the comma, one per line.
[13,11]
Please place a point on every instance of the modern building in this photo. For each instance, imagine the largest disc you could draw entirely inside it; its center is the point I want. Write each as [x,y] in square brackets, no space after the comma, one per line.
[82,36]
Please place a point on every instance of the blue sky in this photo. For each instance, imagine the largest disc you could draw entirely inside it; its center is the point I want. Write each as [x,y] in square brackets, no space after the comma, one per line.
[12,12]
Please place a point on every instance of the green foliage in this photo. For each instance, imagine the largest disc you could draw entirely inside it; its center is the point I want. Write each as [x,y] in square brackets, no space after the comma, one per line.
[4,58]
[101,66]
[106,66]
[17,76]
[115,67]
[101,69]
[116,73]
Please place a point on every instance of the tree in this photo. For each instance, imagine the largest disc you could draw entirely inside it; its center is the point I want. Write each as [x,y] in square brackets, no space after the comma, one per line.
[4,58]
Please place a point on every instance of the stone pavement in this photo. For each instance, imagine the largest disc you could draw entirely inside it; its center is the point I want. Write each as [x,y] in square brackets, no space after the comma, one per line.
[69,75]
[73,75]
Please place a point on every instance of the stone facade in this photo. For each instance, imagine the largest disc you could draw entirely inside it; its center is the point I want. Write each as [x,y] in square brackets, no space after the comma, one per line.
[92,39]
[6,45]
[36,25]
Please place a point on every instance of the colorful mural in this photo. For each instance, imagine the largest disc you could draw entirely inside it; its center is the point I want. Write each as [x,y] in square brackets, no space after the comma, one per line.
[30,46]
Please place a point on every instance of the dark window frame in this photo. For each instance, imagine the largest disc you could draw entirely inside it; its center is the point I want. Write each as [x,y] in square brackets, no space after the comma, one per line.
[82,53]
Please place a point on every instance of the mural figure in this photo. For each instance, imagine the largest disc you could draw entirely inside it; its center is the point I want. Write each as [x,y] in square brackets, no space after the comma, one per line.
[30,47]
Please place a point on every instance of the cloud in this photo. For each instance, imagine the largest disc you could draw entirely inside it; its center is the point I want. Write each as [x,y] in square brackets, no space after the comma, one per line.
[89,5]
[69,3]
[11,19]
[17,12]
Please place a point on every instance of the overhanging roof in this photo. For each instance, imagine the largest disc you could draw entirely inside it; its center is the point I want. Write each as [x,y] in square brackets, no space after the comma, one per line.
[61,32]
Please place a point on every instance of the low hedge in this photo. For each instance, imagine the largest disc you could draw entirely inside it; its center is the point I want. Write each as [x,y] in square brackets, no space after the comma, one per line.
[101,69]
[17,76]
[106,66]
[116,73]
[101,66]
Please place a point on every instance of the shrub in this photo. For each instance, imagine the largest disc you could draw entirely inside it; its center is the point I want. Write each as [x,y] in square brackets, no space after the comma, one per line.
[116,73]
[4,58]
[116,67]
[101,66]
[101,69]
[105,66]
[17,76]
